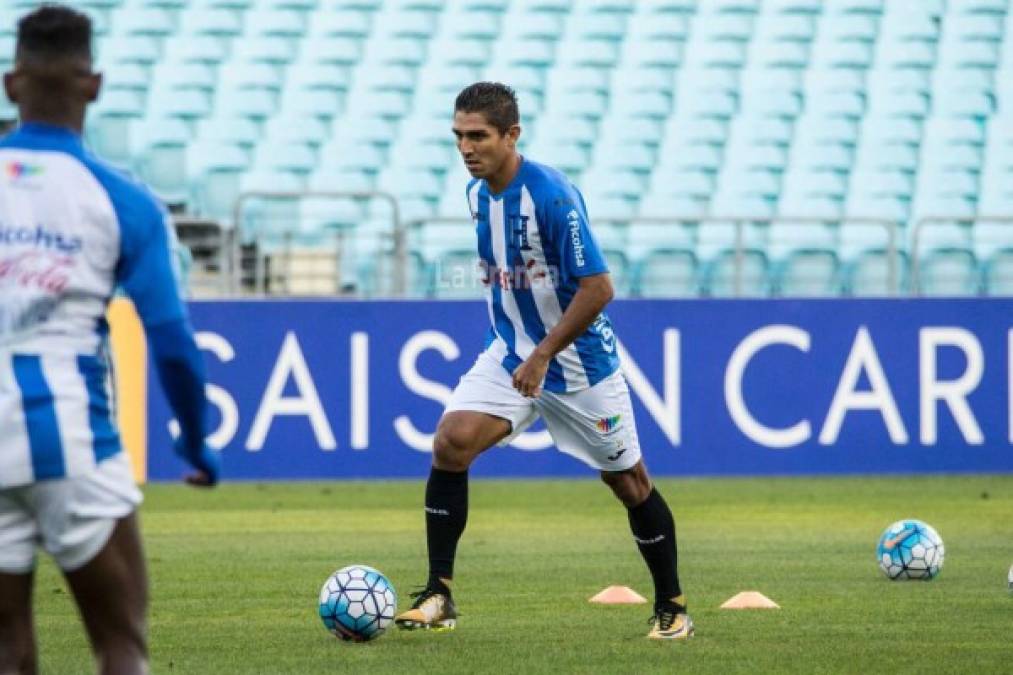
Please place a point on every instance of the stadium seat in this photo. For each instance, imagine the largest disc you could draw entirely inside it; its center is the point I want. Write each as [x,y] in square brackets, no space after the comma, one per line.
[215,168]
[671,272]
[789,7]
[752,280]
[143,49]
[868,274]
[210,21]
[657,53]
[810,273]
[949,272]
[658,26]
[663,205]
[162,158]
[109,122]
[349,23]
[999,273]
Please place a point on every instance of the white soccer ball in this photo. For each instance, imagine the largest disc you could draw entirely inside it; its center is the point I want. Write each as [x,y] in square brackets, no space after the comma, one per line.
[1009,579]
[357,603]
[910,549]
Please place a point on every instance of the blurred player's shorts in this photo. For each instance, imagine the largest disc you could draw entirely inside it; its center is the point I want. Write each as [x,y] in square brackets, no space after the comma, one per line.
[71,518]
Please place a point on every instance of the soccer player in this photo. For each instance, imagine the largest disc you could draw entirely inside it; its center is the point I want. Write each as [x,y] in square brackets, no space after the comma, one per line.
[71,230]
[550,352]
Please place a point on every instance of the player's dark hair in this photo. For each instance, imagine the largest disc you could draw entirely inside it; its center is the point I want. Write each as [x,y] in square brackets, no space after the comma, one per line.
[54,32]
[496,101]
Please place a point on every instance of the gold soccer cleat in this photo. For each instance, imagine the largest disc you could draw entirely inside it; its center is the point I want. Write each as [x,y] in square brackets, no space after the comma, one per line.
[431,610]
[671,622]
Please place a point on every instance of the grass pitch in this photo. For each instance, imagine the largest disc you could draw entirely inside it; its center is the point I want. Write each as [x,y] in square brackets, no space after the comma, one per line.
[235,576]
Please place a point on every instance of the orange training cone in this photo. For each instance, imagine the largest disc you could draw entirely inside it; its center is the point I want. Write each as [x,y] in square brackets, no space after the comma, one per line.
[750,600]
[619,595]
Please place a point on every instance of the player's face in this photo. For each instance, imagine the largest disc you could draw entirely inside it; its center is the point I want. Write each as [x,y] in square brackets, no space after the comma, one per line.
[484,149]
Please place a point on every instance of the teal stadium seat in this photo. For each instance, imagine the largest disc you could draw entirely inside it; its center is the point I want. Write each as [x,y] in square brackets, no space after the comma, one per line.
[667,273]
[272,221]
[754,278]
[109,124]
[162,157]
[810,273]
[999,273]
[215,168]
[151,21]
[949,272]
[220,22]
[132,77]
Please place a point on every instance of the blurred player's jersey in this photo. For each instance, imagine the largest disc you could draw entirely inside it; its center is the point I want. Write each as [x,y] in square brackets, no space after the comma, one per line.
[534,244]
[71,230]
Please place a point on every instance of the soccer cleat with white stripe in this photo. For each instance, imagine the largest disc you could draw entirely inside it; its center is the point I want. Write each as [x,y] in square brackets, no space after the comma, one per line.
[431,610]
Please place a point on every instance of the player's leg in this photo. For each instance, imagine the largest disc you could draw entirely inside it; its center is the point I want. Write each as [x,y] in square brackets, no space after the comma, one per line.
[484,410]
[111,590]
[17,630]
[18,540]
[596,425]
[653,528]
[460,437]
[89,525]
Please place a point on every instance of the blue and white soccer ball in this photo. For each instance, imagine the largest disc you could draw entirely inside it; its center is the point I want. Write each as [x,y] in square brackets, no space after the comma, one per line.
[357,603]
[910,549]
[1009,579]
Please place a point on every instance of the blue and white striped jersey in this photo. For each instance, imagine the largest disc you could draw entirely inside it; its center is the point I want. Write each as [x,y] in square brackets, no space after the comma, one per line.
[72,229]
[534,244]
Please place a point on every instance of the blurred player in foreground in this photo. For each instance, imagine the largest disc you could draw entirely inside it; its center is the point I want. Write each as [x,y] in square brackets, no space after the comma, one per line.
[550,352]
[72,229]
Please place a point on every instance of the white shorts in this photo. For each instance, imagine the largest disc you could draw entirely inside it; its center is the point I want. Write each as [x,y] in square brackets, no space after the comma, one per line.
[71,518]
[595,425]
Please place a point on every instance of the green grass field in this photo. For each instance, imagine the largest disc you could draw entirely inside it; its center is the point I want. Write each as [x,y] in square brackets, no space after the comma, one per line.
[236,572]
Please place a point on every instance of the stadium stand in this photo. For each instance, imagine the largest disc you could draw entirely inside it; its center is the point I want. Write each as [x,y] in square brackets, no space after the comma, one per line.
[813,135]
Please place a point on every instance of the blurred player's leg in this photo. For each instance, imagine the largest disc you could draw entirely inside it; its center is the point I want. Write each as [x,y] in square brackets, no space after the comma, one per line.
[654,531]
[112,593]
[17,632]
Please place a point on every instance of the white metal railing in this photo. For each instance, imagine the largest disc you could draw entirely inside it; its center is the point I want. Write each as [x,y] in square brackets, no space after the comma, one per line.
[740,223]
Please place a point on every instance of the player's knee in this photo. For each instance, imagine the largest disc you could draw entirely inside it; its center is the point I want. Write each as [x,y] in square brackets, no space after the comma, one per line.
[452,447]
[631,487]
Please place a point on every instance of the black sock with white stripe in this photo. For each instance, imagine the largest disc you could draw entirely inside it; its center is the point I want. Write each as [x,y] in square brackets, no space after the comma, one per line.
[446,516]
[654,531]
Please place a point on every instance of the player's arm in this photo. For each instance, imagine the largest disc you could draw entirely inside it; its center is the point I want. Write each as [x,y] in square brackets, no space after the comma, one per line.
[146,273]
[593,294]
[580,259]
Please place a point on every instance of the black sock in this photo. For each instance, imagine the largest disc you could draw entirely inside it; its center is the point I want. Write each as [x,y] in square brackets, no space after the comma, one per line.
[446,515]
[654,531]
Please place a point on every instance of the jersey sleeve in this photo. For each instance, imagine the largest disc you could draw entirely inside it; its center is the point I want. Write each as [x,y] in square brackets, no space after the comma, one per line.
[147,267]
[578,250]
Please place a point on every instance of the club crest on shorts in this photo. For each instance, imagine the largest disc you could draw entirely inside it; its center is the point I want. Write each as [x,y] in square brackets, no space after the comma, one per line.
[607,425]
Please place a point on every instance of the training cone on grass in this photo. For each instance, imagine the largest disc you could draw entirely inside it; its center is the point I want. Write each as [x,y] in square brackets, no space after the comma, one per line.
[750,600]
[618,595]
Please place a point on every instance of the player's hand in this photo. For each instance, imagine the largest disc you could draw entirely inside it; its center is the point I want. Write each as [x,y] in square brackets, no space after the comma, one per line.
[205,460]
[530,375]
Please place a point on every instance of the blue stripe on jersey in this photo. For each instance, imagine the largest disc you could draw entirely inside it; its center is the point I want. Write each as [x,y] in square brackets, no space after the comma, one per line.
[525,299]
[501,322]
[106,441]
[40,417]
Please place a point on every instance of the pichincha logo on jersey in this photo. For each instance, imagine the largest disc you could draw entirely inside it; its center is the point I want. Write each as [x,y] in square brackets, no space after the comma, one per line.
[607,424]
[15,171]
[573,219]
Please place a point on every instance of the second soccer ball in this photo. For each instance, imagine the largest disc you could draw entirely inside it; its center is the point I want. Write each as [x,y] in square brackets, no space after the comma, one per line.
[910,549]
